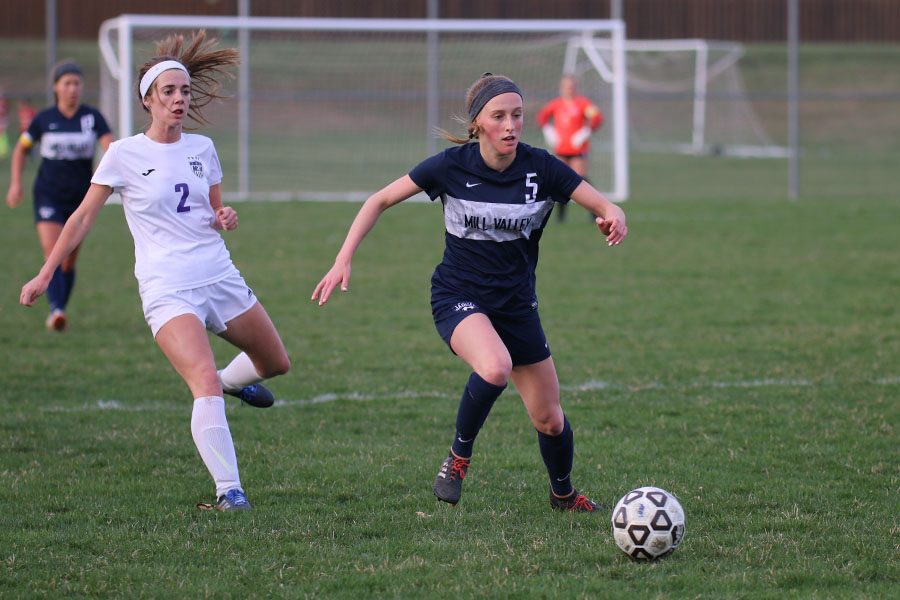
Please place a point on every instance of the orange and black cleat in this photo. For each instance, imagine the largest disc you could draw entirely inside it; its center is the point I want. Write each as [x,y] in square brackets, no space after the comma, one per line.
[448,483]
[574,502]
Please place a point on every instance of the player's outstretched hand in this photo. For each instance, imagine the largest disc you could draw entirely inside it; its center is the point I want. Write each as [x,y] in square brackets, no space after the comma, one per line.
[226,218]
[338,274]
[614,229]
[32,290]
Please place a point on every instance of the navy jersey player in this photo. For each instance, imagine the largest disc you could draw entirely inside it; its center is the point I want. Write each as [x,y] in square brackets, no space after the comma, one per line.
[497,195]
[170,187]
[68,134]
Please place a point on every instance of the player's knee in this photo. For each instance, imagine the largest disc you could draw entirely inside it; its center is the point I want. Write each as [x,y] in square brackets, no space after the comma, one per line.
[496,370]
[204,383]
[278,366]
[551,424]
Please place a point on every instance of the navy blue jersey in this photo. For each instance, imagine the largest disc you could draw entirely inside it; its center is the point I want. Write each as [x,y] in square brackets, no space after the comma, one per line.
[67,149]
[493,221]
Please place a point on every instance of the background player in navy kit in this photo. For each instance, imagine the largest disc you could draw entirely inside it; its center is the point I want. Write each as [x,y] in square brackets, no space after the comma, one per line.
[68,134]
[497,196]
[170,187]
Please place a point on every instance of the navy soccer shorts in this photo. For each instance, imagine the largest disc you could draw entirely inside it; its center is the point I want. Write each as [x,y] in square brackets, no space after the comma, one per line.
[522,335]
[53,209]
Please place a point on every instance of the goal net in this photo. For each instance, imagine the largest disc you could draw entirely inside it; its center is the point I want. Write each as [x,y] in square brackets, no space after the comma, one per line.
[336,108]
[684,95]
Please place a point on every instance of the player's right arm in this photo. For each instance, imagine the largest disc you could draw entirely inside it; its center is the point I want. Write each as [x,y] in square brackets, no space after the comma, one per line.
[339,274]
[74,231]
[17,165]
[551,137]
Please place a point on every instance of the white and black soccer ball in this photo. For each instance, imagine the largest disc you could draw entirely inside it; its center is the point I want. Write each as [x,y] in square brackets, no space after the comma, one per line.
[648,523]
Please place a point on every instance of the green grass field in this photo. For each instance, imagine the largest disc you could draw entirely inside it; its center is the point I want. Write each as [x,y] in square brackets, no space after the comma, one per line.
[742,353]
[740,350]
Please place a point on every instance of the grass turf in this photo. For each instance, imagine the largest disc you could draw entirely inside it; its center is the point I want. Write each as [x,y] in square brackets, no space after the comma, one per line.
[741,353]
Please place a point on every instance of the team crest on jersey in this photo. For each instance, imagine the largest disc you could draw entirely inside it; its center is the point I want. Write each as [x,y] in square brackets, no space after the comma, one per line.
[87,123]
[196,165]
[464,307]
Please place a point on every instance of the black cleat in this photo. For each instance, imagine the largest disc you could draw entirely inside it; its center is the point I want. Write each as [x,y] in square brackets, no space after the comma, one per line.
[448,483]
[574,502]
[256,395]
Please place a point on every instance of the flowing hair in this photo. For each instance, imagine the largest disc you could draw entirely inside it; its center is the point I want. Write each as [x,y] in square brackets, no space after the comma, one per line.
[205,64]
[472,130]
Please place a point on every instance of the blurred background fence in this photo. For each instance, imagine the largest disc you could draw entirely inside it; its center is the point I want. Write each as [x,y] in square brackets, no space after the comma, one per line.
[739,20]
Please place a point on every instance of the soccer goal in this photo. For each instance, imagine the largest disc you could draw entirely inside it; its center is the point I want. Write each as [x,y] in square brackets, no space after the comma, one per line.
[335,108]
[684,95]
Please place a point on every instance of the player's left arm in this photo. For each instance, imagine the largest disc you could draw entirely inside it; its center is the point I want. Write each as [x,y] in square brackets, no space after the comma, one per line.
[226,217]
[590,123]
[611,219]
[593,115]
[105,140]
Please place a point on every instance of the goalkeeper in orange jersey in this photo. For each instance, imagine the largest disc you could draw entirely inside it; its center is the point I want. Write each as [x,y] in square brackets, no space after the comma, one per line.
[567,123]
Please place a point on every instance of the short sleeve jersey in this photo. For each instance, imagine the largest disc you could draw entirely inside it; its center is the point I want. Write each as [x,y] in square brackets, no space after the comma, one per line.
[494,221]
[165,194]
[67,148]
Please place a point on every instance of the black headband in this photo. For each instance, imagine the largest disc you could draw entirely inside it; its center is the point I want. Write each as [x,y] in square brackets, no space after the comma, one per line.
[493,88]
[66,68]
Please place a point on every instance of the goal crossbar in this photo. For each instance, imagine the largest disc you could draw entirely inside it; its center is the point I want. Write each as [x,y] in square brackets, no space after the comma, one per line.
[118,60]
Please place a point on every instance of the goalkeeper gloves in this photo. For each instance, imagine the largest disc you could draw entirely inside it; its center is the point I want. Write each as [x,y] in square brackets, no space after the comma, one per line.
[550,136]
[581,136]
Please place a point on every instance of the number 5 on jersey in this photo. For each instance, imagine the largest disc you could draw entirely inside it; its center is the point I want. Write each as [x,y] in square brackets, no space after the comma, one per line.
[185,192]
[531,196]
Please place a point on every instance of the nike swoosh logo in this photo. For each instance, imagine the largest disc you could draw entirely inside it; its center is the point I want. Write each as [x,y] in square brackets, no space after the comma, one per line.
[148,172]
[562,478]
[471,185]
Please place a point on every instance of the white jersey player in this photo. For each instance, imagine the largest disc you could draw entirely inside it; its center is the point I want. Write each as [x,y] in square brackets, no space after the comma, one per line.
[170,187]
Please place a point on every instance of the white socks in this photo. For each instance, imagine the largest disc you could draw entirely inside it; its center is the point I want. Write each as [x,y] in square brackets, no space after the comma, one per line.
[239,373]
[213,440]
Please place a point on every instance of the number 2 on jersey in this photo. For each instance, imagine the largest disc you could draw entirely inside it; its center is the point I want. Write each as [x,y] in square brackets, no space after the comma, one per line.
[185,192]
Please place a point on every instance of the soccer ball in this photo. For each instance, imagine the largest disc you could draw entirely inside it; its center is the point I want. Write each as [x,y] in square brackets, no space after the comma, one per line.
[648,523]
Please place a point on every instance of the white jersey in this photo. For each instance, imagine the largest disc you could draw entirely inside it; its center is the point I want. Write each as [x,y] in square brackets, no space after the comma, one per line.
[165,193]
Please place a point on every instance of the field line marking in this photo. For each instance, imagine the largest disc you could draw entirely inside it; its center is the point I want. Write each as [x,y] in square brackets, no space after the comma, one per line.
[586,386]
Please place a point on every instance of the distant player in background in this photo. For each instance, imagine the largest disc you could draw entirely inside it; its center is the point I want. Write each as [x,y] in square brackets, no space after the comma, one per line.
[68,134]
[567,123]
[497,195]
[170,187]
[26,113]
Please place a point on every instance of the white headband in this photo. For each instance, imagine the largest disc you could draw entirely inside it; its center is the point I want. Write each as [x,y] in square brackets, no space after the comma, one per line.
[154,71]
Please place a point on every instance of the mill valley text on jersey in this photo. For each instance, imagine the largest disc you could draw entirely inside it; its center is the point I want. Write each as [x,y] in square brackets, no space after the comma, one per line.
[494,220]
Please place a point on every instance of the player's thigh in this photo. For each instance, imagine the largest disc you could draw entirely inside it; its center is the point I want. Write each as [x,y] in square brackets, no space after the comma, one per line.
[253,332]
[476,342]
[579,164]
[184,341]
[48,233]
[49,225]
[538,385]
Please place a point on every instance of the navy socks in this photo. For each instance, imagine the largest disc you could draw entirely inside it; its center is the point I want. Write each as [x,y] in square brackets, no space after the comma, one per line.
[60,288]
[558,452]
[56,290]
[476,402]
[68,284]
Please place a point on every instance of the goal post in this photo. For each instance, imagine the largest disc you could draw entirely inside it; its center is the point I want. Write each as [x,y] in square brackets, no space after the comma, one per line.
[685,95]
[334,108]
